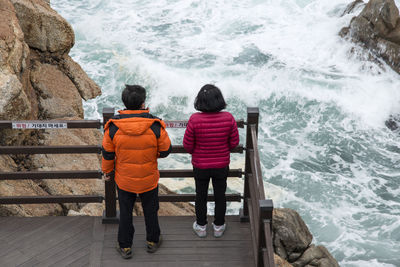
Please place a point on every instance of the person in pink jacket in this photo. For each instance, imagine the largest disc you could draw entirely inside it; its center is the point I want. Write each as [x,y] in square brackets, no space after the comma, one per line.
[210,136]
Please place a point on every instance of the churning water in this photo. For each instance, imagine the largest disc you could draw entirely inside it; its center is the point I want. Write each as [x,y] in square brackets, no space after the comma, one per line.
[325,149]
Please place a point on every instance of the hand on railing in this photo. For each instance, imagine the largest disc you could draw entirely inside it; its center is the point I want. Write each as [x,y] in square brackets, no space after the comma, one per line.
[107,176]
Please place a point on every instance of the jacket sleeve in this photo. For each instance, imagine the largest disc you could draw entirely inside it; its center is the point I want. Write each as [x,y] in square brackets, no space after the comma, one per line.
[234,135]
[188,138]
[163,144]
[108,152]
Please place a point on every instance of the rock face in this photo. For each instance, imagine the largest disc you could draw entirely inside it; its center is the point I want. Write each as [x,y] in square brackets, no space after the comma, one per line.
[377,28]
[38,80]
[292,242]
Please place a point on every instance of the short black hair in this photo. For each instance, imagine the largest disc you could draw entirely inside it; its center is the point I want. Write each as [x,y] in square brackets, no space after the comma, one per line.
[209,99]
[133,96]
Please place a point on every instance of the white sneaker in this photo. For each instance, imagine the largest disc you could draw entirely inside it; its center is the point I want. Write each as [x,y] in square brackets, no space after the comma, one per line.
[219,230]
[201,231]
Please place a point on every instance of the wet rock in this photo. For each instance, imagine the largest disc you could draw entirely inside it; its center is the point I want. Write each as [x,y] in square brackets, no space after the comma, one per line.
[290,234]
[377,28]
[292,241]
[353,6]
[316,256]
[279,262]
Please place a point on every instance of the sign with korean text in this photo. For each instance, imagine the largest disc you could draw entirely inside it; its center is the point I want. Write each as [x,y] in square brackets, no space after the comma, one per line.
[39,125]
[176,124]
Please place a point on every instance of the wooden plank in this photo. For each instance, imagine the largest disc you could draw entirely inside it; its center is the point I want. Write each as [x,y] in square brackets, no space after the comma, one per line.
[51,199]
[96,249]
[192,197]
[189,173]
[55,236]
[78,174]
[50,149]
[79,232]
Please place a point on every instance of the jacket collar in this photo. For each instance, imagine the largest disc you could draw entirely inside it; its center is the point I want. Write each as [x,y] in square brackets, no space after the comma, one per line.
[129,111]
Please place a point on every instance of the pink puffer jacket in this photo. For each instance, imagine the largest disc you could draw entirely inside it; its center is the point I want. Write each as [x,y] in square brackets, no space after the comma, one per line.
[209,137]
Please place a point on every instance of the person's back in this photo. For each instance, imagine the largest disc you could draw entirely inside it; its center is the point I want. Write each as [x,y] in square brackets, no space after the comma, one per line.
[133,140]
[215,138]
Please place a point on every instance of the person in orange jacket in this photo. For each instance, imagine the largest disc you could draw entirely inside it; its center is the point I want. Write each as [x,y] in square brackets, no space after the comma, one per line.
[133,140]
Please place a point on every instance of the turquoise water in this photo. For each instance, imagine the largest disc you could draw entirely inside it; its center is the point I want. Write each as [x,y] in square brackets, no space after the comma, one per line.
[324,147]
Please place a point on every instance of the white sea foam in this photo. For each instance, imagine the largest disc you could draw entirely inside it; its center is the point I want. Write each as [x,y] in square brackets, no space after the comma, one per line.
[324,147]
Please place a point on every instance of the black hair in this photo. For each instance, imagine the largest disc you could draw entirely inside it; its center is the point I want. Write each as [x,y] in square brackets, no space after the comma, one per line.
[209,99]
[133,96]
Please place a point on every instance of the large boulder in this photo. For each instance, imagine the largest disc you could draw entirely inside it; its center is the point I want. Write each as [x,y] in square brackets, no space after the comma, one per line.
[13,50]
[14,103]
[87,88]
[43,27]
[317,256]
[290,234]
[58,97]
[292,242]
[377,28]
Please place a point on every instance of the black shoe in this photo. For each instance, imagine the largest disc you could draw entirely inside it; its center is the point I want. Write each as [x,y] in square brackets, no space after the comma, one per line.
[126,253]
[153,246]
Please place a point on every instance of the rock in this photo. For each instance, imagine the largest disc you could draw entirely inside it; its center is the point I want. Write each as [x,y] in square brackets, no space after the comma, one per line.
[13,50]
[279,262]
[58,97]
[316,256]
[377,28]
[290,234]
[352,7]
[43,27]
[87,87]
[23,188]
[14,104]
[90,209]
[393,123]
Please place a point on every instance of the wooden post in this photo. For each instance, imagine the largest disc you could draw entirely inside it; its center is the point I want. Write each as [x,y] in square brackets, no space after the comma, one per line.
[265,236]
[252,118]
[110,215]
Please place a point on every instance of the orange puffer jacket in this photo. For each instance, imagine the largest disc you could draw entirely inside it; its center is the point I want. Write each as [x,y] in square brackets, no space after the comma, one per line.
[133,140]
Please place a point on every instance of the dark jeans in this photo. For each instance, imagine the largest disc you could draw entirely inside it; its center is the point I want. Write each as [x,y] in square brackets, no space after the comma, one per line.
[202,179]
[150,206]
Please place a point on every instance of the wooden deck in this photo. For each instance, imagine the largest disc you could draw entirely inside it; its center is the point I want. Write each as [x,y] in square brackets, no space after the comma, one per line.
[84,241]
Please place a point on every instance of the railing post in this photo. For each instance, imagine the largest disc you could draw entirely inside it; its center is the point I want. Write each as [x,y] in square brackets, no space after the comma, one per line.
[252,118]
[266,210]
[110,214]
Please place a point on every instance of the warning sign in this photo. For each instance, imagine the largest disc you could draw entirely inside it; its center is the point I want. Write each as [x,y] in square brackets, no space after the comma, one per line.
[39,125]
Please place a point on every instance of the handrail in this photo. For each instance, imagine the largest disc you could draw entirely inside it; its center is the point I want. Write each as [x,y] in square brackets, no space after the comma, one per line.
[78,149]
[256,209]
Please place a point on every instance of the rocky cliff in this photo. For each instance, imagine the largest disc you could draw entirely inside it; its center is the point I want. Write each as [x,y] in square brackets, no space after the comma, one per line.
[38,80]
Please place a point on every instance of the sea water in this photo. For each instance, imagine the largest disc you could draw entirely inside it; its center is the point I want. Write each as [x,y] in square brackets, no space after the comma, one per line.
[324,146]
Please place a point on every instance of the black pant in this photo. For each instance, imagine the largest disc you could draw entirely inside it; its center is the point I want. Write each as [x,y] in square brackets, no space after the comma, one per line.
[150,206]
[202,179]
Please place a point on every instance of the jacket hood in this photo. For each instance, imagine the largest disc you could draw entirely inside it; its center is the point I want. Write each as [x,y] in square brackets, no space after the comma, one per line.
[134,125]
